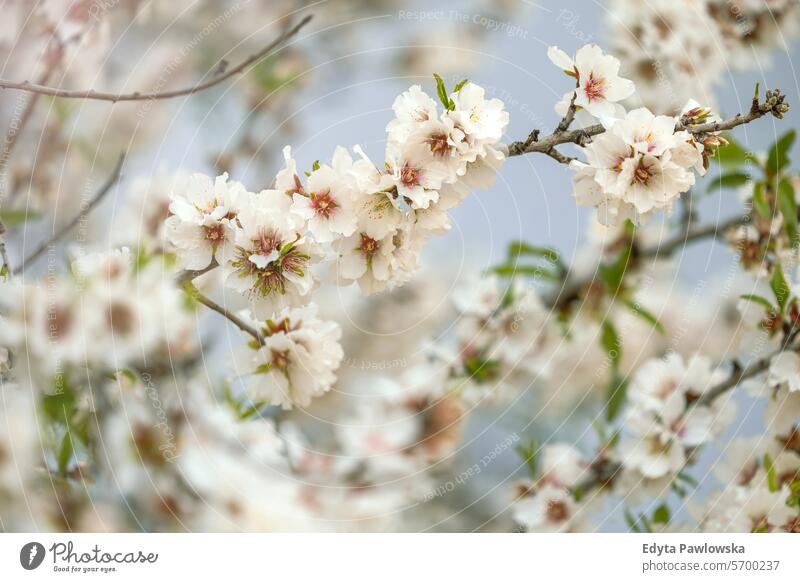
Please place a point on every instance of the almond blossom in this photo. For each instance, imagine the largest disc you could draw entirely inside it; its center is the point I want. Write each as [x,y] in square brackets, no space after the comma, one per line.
[599,85]
[296,362]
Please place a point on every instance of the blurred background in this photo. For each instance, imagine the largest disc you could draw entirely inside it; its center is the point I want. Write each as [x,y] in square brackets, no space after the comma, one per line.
[334,84]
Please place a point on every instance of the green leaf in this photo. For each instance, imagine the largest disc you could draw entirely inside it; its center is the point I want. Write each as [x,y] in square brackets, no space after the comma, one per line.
[760,300]
[732,155]
[732,180]
[528,452]
[59,407]
[460,85]
[481,369]
[614,274]
[441,90]
[611,343]
[520,248]
[641,312]
[772,477]
[617,394]
[779,153]
[788,207]
[65,453]
[525,270]
[12,218]
[760,202]
[315,166]
[780,288]
[661,514]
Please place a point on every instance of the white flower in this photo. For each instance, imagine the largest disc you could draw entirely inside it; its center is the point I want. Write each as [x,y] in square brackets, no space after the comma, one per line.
[411,108]
[327,204]
[202,227]
[785,369]
[660,379]
[548,510]
[482,120]
[271,262]
[563,465]
[415,173]
[599,85]
[297,361]
[633,165]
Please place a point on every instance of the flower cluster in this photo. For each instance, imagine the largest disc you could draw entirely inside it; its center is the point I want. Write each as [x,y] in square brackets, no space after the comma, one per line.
[548,504]
[72,321]
[371,222]
[665,421]
[640,165]
[677,50]
[296,361]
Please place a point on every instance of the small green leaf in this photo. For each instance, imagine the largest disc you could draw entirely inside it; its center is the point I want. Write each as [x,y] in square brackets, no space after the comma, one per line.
[779,153]
[760,300]
[732,180]
[780,288]
[460,85]
[760,202]
[441,90]
[12,218]
[772,477]
[59,407]
[641,312]
[661,514]
[614,273]
[529,454]
[65,453]
[481,369]
[611,343]
[526,271]
[788,207]
[617,394]
[732,155]
[520,248]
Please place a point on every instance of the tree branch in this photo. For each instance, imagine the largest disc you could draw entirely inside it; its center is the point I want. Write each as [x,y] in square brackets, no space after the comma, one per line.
[775,105]
[98,197]
[195,294]
[137,96]
[571,290]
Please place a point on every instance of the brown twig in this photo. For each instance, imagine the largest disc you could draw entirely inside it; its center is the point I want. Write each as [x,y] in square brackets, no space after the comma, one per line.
[137,96]
[96,199]
[775,106]
[232,317]
[190,275]
[571,289]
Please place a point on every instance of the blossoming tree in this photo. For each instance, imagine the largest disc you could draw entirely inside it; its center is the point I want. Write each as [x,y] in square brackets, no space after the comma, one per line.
[111,421]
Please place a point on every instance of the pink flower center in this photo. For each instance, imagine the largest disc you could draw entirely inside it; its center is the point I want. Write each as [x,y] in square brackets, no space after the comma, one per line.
[642,174]
[439,145]
[214,234]
[595,88]
[557,511]
[410,176]
[268,241]
[369,246]
[323,204]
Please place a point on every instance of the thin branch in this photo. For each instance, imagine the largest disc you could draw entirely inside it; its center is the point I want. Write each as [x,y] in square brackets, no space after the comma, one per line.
[15,130]
[98,197]
[571,290]
[232,317]
[570,115]
[190,275]
[775,106]
[137,96]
